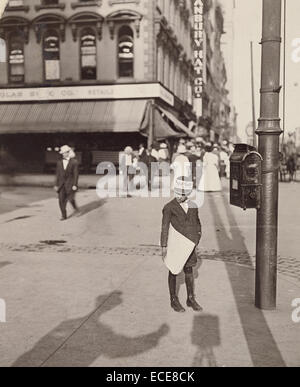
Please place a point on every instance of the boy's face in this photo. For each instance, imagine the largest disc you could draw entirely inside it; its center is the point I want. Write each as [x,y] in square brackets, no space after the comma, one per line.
[181,198]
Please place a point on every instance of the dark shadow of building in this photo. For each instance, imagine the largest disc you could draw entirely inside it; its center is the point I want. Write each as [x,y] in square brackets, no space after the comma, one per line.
[262,346]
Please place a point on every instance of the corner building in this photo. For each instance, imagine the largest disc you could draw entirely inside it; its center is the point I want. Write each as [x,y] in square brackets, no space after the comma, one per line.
[98,75]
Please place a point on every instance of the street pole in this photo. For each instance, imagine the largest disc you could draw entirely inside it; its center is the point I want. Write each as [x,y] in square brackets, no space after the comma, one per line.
[253,97]
[151,125]
[269,132]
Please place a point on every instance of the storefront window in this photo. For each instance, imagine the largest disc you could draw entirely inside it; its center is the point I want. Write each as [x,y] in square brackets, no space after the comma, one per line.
[126,52]
[16,59]
[51,56]
[88,55]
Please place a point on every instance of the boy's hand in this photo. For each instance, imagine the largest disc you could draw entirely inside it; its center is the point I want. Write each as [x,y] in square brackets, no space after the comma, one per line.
[164,253]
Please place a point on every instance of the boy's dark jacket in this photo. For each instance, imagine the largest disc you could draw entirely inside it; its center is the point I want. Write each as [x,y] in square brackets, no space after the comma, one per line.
[187,224]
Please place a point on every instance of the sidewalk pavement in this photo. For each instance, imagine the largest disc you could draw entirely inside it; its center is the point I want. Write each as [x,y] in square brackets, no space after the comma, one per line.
[92,291]
[44,180]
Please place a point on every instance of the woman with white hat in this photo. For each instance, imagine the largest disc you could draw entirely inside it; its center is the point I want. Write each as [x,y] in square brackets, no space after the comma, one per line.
[210,180]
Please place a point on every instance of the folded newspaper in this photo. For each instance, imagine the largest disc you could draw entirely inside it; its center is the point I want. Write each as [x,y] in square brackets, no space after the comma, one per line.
[179,250]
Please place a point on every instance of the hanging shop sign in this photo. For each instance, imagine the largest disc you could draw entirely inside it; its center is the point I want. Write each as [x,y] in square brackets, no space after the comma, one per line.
[198,55]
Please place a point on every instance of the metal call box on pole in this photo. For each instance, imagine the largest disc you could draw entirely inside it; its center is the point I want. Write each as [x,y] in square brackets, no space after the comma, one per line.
[245,177]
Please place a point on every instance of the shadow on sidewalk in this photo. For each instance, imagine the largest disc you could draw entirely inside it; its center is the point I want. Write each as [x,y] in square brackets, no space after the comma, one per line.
[84,210]
[205,336]
[3,264]
[80,342]
[19,218]
[261,343]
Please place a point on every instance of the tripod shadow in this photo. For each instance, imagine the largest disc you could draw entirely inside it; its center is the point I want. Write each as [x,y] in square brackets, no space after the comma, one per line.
[261,343]
[80,342]
[205,336]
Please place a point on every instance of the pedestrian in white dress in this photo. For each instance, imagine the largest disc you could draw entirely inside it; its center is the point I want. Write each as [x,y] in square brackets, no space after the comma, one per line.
[181,164]
[225,162]
[210,180]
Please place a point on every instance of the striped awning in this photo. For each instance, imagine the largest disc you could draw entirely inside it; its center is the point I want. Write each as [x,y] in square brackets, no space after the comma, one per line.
[120,116]
[161,128]
[178,124]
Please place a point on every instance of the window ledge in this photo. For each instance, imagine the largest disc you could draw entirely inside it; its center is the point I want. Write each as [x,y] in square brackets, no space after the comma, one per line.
[126,80]
[50,6]
[92,3]
[18,8]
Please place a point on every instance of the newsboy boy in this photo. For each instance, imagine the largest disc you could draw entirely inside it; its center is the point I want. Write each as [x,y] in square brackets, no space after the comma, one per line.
[180,235]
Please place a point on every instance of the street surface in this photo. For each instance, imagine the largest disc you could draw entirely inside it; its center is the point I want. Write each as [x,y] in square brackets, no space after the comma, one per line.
[92,291]
[13,198]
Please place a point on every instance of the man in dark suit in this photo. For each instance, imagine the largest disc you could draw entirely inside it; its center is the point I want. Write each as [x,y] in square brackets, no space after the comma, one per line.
[66,180]
[184,218]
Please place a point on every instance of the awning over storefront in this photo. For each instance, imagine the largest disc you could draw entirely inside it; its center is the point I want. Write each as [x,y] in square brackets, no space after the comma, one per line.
[161,129]
[179,125]
[120,116]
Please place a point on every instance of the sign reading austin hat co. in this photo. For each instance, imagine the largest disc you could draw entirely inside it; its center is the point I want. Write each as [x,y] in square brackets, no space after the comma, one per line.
[198,54]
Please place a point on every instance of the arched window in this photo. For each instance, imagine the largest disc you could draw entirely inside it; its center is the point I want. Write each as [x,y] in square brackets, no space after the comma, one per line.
[126,52]
[88,54]
[16,58]
[51,54]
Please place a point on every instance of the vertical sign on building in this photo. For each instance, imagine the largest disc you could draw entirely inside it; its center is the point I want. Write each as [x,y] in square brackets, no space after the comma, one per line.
[199,57]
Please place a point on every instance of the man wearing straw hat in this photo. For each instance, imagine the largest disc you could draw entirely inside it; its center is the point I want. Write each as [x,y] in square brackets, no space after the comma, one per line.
[66,180]
[180,235]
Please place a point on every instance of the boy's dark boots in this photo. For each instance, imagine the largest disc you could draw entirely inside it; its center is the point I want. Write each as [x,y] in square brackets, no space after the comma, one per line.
[191,301]
[175,304]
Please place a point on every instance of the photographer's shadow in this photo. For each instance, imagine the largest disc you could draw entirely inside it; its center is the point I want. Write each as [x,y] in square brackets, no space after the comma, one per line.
[80,342]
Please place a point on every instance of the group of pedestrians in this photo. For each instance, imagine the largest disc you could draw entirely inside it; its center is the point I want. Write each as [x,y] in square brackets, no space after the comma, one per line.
[289,166]
[144,161]
[204,162]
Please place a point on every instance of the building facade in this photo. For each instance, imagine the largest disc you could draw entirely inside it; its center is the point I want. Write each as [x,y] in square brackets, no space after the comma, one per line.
[229,51]
[215,123]
[87,72]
